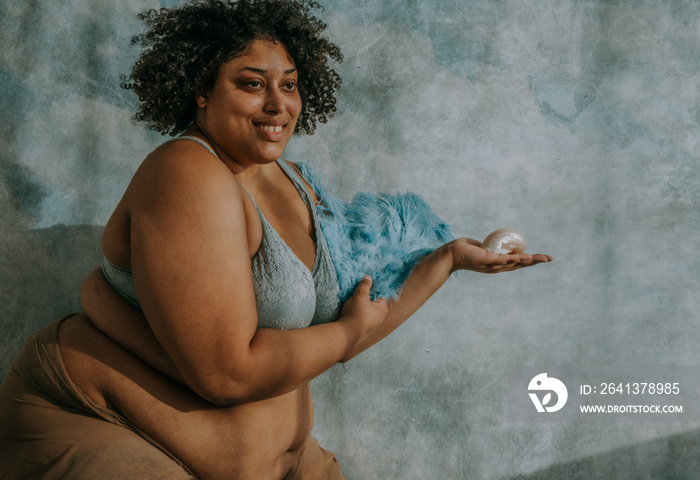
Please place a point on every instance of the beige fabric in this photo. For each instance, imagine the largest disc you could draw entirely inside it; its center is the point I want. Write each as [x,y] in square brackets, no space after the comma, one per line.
[50,430]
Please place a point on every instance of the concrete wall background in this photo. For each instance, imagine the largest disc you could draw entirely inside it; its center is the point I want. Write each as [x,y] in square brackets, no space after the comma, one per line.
[575,122]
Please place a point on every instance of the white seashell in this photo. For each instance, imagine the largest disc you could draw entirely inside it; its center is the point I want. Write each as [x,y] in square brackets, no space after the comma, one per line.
[504,240]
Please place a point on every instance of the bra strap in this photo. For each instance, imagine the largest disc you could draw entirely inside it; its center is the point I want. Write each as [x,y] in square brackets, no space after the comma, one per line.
[296,179]
[199,141]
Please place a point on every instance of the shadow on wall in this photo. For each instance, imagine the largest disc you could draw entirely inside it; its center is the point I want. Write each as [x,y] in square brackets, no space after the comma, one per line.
[42,271]
[672,458]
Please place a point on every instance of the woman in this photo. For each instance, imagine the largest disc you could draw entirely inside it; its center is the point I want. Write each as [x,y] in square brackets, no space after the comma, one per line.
[217,244]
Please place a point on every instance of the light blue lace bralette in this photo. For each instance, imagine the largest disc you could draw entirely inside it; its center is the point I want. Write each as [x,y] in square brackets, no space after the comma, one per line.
[287,294]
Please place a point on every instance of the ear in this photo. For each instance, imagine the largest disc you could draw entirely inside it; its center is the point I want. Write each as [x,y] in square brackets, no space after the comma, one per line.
[201,100]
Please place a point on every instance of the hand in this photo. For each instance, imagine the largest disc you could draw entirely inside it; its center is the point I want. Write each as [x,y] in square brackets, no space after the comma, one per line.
[468,255]
[364,314]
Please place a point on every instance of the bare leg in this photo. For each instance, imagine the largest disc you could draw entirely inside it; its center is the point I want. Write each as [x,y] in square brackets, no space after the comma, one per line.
[215,443]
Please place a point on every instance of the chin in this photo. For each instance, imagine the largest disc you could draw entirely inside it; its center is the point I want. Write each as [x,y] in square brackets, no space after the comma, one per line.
[265,158]
[270,155]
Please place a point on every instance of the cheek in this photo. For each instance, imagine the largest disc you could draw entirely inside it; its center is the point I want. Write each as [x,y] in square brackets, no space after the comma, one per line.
[296,106]
[244,108]
[238,106]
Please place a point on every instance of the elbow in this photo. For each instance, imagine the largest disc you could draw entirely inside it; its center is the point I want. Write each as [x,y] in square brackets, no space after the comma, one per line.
[223,396]
[224,391]
[224,401]
[220,398]
[352,354]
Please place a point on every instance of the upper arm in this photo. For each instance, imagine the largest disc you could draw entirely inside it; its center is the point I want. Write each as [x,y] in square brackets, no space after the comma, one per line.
[191,266]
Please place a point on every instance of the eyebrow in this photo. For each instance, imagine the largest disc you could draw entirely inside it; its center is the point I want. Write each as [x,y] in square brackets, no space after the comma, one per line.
[263,71]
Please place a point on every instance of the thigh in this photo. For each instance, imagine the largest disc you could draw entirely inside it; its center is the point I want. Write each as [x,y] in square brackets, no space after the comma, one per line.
[246,441]
[41,438]
[192,430]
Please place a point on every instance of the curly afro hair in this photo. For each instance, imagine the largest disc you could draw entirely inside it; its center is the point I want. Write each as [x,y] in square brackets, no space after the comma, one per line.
[185,47]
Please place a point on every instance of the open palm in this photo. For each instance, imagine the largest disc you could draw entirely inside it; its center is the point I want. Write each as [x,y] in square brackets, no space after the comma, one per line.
[468,255]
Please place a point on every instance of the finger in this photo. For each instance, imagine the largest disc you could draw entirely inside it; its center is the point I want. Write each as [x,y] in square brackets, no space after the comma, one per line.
[364,286]
[513,261]
[493,259]
[508,267]
[540,257]
[536,259]
[508,259]
[471,241]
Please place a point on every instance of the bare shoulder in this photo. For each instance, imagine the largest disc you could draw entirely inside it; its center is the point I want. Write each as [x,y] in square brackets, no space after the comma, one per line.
[182,172]
[184,161]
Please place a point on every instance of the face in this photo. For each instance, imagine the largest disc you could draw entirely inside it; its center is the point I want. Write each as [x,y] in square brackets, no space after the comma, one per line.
[253,108]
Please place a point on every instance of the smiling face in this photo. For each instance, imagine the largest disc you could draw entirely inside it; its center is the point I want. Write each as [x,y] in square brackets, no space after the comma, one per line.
[251,112]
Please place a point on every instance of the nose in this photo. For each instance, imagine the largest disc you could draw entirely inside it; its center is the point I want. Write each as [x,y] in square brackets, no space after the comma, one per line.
[275,101]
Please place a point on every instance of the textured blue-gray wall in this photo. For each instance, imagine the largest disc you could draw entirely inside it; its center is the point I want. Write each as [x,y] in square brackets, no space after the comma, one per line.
[576,122]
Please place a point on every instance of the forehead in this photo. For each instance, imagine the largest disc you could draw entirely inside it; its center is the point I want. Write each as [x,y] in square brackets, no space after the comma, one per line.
[262,54]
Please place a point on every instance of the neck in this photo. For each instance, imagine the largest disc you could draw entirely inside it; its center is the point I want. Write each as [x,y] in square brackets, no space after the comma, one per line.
[246,173]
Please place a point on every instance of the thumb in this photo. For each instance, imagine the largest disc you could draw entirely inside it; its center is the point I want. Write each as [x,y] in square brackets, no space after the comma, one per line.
[364,286]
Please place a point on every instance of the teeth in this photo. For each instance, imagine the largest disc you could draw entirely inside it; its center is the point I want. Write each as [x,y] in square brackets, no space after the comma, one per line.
[270,128]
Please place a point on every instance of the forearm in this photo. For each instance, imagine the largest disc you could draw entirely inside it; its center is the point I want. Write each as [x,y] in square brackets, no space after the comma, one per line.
[280,361]
[276,362]
[432,272]
[425,279]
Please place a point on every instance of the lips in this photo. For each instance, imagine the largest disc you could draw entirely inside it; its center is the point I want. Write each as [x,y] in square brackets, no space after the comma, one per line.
[271,130]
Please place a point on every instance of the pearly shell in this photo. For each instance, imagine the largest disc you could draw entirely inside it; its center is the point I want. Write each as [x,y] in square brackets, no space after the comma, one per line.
[504,240]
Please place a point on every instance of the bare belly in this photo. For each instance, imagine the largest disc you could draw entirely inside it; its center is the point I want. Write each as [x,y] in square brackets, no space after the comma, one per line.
[258,440]
[265,437]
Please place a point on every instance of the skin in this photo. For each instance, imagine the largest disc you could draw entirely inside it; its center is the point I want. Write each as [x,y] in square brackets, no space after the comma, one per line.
[197,375]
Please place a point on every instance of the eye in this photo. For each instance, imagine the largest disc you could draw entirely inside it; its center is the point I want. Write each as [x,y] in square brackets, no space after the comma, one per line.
[290,86]
[253,84]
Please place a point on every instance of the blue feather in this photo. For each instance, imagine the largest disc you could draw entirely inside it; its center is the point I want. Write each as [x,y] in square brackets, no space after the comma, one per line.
[380,235]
